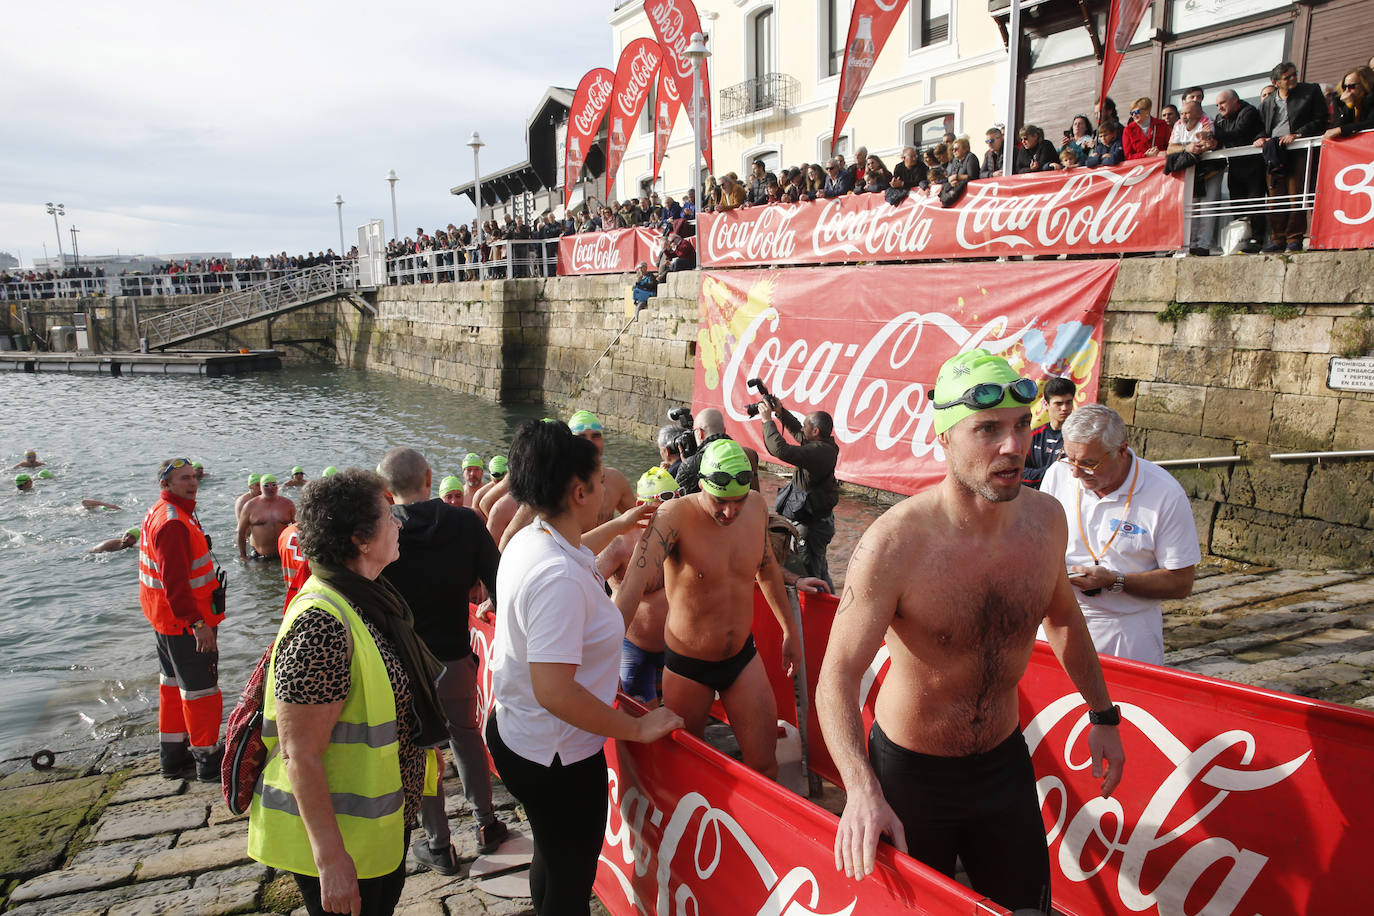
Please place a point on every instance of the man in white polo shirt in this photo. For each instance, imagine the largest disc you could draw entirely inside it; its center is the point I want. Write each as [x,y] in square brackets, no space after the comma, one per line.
[1132,542]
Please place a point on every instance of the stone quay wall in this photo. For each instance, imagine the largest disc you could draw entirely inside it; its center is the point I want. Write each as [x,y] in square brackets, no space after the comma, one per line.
[1239,369]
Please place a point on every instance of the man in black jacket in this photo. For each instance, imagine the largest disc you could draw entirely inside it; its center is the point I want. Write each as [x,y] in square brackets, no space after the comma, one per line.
[707,427]
[1238,124]
[809,500]
[445,550]
[1295,110]
[1047,442]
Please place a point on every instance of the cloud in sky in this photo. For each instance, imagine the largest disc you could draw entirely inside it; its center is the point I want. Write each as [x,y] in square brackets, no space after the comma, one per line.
[193,126]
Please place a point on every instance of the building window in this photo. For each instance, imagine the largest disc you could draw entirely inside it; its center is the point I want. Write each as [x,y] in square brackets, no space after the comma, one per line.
[765,58]
[835,34]
[646,117]
[1242,63]
[929,130]
[929,23]
[1188,15]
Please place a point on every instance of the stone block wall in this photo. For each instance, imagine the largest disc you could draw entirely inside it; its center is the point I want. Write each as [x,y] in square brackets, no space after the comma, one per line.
[1242,371]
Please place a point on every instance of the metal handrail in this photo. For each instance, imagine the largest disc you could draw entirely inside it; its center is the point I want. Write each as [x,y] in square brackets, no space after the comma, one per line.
[1188,462]
[1318,456]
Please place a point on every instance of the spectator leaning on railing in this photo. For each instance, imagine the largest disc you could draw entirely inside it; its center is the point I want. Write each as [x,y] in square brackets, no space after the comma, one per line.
[1295,110]
[1354,108]
[964,164]
[837,182]
[1034,153]
[1144,136]
[992,159]
[1191,136]
[1238,124]
[1107,150]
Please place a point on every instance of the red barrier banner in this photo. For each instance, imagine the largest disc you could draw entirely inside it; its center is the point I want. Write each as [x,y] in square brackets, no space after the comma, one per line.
[617,251]
[1132,207]
[1343,216]
[839,339]
[668,103]
[588,109]
[673,22]
[634,75]
[869,27]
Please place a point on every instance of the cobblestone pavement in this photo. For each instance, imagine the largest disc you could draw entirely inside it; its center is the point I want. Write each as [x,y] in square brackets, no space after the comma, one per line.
[101,834]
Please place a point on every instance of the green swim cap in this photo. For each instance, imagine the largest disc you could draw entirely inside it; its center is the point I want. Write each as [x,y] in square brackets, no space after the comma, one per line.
[254,478]
[21,479]
[725,457]
[498,464]
[961,374]
[267,478]
[45,474]
[134,531]
[329,471]
[655,481]
[197,465]
[472,460]
[584,420]
[297,470]
[449,484]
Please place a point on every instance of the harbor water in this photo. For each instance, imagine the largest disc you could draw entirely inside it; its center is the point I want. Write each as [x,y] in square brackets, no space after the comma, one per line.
[76,654]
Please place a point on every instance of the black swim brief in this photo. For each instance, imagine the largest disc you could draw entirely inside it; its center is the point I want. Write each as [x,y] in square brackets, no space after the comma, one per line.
[716,675]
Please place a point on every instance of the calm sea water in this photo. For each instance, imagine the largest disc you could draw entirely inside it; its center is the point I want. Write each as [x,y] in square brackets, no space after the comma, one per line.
[76,654]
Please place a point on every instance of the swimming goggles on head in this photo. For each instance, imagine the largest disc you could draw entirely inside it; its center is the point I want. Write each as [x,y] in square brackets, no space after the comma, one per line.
[665,495]
[176,463]
[722,479]
[990,394]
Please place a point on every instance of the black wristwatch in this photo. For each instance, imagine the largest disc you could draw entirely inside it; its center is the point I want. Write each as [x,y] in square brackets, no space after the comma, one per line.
[1109,716]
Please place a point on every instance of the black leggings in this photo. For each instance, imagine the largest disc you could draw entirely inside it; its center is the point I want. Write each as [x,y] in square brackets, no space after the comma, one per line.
[379,895]
[566,807]
[981,809]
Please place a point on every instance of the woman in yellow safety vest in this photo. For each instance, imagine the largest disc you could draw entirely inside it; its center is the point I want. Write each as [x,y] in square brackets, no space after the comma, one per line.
[349,709]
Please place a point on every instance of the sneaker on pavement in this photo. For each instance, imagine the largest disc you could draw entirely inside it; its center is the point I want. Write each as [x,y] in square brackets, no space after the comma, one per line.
[441,861]
[1273,247]
[491,836]
[208,765]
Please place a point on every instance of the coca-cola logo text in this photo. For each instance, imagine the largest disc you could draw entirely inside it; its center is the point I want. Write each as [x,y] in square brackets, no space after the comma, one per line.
[597,252]
[669,22]
[597,94]
[642,69]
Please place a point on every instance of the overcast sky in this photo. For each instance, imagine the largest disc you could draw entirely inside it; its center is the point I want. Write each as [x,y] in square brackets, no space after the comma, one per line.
[192,126]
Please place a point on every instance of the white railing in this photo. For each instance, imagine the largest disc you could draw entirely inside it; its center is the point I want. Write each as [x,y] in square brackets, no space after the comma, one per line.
[179,284]
[1228,208]
[508,258]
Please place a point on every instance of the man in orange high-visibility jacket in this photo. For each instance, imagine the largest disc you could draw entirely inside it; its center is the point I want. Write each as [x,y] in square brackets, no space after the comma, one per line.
[177,584]
[295,568]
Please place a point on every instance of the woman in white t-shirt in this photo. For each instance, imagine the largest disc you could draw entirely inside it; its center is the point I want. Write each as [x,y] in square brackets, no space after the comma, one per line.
[556,666]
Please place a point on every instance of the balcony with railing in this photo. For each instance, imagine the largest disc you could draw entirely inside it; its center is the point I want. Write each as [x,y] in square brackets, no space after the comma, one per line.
[761,97]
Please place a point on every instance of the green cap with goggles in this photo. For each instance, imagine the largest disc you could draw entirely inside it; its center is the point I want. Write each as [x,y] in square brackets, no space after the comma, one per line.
[21,480]
[974,381]
[267,478]
[498,465]
[725,470]
[45,474]
[254,478]
[472,460]
[134,532]
[329,471]
[297,470]
[655,483]
[449,484]
[198,465]
[584,421]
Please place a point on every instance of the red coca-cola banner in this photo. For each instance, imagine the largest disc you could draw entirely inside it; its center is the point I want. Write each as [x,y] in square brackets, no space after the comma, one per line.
[673,22]
[668,102]
[1132,207]
[869,27]
[1234,801]
[1343,216]
[865,345]
[618,251]
[589,105]
[634,76]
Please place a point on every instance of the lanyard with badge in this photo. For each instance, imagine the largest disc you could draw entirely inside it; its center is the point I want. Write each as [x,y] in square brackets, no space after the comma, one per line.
[1083,535]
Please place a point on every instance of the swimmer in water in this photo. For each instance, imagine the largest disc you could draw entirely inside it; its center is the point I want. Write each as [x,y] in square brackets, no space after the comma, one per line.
[97,504]
[123,542]
[262,521]
[23,483]
[451,491]
[472,478]
[297,478]
[30,461]
[497,468]
[254,490]
[329,471]
[201,473]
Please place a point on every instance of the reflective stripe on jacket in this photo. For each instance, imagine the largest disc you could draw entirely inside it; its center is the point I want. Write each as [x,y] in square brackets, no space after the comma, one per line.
[152,591]
[362,765]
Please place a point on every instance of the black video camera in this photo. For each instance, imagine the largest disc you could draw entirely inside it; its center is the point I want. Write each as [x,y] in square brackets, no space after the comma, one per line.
[686,441]
[757,384]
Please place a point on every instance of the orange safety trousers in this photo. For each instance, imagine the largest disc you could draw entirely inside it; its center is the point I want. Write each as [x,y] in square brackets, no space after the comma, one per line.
[190,705]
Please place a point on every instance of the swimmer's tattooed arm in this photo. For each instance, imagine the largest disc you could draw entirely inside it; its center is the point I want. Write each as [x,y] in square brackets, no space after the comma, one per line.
[846,600]
[645,572]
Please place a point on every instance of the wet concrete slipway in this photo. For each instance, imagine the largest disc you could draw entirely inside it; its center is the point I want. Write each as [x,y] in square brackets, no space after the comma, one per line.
[101,833]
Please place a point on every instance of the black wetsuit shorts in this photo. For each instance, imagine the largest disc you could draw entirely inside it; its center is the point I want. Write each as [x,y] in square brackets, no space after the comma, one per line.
[981,809]
[716,675]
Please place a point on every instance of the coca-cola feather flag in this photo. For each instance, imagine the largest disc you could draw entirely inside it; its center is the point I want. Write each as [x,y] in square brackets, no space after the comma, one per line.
[634,75]
[869,27]
[1123,18]
[667,104]
[584,120]
[674,21]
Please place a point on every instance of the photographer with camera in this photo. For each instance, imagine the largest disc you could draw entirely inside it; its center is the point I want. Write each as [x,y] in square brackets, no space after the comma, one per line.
[809,500]
[707,428]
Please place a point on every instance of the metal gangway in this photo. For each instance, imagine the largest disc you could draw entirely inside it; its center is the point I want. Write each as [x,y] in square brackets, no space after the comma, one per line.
[267,299]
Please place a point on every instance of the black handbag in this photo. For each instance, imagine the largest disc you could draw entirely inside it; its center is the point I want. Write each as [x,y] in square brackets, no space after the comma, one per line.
[791,505]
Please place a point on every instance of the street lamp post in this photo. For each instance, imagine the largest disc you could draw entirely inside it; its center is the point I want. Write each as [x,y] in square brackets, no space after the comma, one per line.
[76,251]
[391,179]
[475,142]
[697,53]
[56,210]
[339,202]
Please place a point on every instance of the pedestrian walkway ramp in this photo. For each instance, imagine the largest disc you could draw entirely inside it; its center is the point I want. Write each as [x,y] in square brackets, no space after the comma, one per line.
[264,300]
